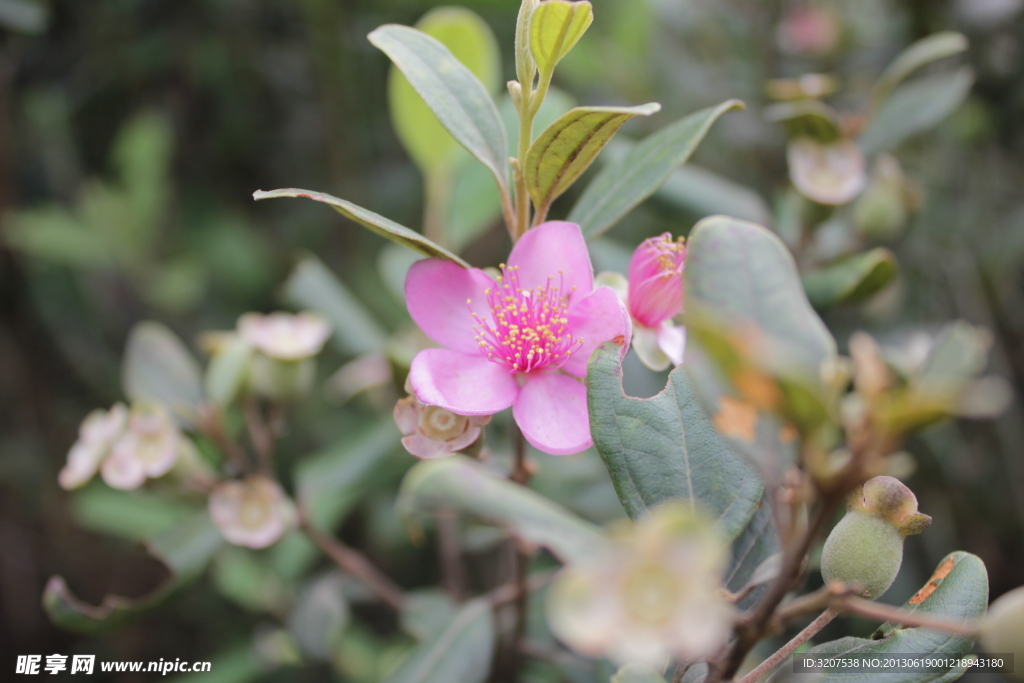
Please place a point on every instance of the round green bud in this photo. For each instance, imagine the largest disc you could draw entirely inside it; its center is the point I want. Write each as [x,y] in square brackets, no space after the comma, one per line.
[1002,630]
[864,549]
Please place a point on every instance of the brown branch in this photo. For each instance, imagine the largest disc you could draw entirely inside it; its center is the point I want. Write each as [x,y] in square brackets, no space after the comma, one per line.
[789,648]
[874,610]
[451,554]
[260,435]
[351,561]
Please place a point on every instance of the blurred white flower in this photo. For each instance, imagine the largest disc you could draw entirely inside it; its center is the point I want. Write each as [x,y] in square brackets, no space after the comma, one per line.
[96,436]
[284,336]
[148,448]
[653,595]
[254,512]
[832,174]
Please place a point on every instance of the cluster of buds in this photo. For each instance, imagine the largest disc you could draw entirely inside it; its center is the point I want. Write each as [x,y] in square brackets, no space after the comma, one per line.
[126,447]
[652,595]
[253,512]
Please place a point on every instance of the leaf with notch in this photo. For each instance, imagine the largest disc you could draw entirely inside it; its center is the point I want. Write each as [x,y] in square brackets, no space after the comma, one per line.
[455,95]
[384,227]
[626,182]
[567,148]
[665,448]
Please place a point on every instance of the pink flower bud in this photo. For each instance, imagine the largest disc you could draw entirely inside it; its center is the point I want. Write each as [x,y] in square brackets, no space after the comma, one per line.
[656,280]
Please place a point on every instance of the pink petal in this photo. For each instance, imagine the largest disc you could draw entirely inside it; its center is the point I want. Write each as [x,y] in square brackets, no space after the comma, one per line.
[552,249]
[672,341]
[436,292]
[552,412]
[426,449]
[464,384]
[597,318]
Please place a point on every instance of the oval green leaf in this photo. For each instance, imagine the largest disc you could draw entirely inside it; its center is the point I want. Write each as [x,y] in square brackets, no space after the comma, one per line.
[384,227]
[851,280]
[460,652]
[470,41]
[915,107]
[624,183]
[665,448]
[568,146]
[456,96]
[555,29]
[227,372]
[957,591]
[159,368]
[925,51]
[460,484]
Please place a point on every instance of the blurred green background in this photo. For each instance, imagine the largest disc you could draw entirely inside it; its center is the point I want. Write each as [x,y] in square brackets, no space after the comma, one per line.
[133,133]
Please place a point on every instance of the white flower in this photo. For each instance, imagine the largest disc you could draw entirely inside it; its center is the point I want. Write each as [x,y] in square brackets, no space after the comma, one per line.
[284,336]
[96,437]
[148,448]
[653,595]
[254,512]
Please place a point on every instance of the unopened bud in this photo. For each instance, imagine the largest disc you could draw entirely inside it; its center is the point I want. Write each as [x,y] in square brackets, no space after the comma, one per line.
[866,547]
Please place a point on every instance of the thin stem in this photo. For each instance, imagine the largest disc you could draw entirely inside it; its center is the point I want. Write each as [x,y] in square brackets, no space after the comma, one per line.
[353,562]
[451,554]
[789,648]
[261,436]
[213,427]
[874,610]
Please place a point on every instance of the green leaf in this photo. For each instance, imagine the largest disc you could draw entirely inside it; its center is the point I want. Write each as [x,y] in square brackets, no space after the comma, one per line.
[426,612]
[809,118]
[958,591]
[384,227]
[54,234]
[159,368]
[460,484]
[142,154]
[312,285]
[457,97]
[227,372]
[851,280]
[471,42]
[925,51]
[185,550]
[623,184]
[665,448]
[461,652]
[134,515]
[741,273]
[555,28]
[637,673]
[24,16]
[916,107]
[567,148]
[320,617]
[704,193]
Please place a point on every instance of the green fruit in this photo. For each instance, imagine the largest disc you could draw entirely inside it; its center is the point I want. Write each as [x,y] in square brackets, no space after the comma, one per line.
[863,548]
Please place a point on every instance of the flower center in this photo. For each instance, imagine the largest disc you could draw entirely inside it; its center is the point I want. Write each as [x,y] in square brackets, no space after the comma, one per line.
[668,254]
[529,329]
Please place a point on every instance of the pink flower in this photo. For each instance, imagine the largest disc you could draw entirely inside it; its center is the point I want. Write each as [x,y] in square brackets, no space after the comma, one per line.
[655,297]
[522,340]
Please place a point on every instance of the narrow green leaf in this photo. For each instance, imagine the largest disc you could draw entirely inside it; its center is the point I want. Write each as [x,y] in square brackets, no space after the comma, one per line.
[457,97]
[227,372]
[460,484]
[623,184]
[312,285]
[471,42]
[133,515]
[957,591]
[461,652]
[567,148]
[741,273]
[703,193]
[665,448]
[384,227]
[555,28]
[925,51]
[159,368]
[53,233]
[851,280]
[915,107]
[189,546]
